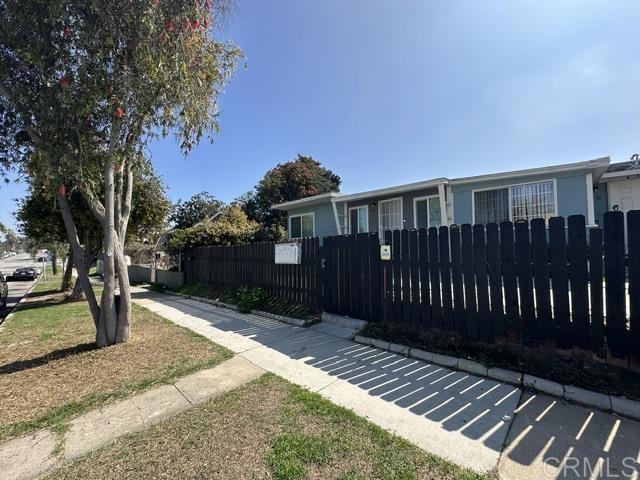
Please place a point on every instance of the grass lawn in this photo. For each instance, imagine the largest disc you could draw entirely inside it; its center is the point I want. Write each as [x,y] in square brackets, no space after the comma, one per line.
[266,429]
[50,370]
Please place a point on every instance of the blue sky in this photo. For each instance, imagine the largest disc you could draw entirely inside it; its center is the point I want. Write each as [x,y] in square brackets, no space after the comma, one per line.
[394,91]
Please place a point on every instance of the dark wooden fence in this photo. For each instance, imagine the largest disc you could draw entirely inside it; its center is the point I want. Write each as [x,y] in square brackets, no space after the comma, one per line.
[564,287]
[557,286]
[254,265]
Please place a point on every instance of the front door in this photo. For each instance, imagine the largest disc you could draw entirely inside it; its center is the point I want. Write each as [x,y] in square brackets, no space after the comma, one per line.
[624,195]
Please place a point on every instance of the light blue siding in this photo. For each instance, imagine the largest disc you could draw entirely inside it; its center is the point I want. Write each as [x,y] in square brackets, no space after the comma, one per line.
[571,191]
[325,223]
[407,206]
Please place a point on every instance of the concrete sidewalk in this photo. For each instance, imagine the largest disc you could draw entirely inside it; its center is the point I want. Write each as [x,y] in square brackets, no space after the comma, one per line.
[31,456]
[475,422]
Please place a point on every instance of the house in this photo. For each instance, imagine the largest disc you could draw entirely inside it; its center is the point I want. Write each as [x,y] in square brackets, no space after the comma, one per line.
[618,188]
[588,188]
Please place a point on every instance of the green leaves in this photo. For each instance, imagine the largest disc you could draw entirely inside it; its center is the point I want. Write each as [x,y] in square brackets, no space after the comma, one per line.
[82,65]
[231,227]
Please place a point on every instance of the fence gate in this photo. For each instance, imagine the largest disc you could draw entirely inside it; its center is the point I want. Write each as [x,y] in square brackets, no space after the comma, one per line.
[351,276]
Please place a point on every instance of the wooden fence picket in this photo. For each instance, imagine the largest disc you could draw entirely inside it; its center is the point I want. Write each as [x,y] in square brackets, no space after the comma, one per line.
[528,283]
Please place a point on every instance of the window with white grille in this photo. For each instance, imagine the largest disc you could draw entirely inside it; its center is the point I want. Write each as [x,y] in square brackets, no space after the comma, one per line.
[390,214]
[533,200]
[526,201]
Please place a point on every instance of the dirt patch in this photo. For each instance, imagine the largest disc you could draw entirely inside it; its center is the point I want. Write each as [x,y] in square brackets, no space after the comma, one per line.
[267,429]
[47,358]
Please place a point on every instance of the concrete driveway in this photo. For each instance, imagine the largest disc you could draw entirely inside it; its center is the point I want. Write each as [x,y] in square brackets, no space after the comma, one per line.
[17,289]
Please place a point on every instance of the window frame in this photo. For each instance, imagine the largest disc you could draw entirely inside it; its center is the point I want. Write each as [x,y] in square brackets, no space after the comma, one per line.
[388,200]
[415,209]
[313,223]
[358,208]
[509,188]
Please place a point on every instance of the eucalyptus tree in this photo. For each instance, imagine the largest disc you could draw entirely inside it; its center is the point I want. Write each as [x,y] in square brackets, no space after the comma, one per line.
[92,82]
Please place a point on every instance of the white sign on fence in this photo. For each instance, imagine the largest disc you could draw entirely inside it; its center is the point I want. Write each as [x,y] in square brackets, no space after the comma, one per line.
[288,253]
[385,252]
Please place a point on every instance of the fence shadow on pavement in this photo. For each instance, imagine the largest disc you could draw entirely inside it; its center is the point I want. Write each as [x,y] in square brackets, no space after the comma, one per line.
[536,431]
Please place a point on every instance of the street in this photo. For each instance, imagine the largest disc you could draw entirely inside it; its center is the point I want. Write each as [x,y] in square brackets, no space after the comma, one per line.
[17,289]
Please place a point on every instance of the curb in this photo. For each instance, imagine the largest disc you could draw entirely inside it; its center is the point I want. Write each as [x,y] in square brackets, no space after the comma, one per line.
[273,316]
[609,403]
[26,294]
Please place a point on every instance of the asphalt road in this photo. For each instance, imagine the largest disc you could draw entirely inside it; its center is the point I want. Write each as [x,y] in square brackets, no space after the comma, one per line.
[17,289]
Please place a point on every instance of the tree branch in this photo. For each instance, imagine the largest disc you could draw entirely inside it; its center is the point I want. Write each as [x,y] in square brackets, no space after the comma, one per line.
[126,207]
[28,126]
[118,198]
[94,204]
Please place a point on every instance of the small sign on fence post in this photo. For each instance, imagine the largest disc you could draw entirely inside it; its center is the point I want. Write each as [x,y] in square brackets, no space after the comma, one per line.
[385,252]
[288,253]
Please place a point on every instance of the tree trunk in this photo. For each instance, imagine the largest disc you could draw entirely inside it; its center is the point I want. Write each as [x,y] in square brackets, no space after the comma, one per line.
[107,329]
[79,255]
[78,292]
[124,314]
[68,272]
[54,262]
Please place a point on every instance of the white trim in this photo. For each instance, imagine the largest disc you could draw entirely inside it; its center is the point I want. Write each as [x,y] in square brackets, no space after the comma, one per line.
[612,176]
[366,208]
[335,217]
[443,205]
[306,201]
[599,162]
[345,216]
[448,204]
[509,187]
[387,200]
[392,190]
[313,217]
[591,215]
[415,209]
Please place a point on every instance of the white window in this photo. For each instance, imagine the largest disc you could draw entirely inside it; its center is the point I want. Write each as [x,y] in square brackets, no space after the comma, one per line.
[526,201]
[533,200]
[390,215]
[491,206]
[359,219]
[427,212]
[301,226]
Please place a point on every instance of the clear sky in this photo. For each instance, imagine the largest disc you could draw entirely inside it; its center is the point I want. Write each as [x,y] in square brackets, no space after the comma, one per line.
[385,92]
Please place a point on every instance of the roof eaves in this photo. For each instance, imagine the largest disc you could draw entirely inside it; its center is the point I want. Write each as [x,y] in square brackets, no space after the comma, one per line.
[409,187]
[306,201]
[597,163]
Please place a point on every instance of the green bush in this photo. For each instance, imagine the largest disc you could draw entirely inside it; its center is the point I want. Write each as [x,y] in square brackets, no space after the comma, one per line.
[248,299]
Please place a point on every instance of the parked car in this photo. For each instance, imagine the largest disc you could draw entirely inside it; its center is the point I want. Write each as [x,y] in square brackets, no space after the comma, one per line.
[25,273]
[4,291]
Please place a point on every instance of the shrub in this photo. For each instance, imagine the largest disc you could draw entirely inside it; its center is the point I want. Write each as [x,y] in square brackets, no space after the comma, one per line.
[248,299]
